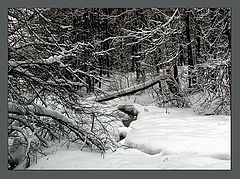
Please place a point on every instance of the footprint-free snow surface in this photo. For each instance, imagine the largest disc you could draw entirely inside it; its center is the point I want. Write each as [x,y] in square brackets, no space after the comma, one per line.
[178,139]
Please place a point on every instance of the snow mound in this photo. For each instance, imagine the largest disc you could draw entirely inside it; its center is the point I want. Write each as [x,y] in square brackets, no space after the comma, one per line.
[180,131]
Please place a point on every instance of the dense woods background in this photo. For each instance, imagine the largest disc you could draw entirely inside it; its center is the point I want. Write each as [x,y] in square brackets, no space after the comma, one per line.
[59,58]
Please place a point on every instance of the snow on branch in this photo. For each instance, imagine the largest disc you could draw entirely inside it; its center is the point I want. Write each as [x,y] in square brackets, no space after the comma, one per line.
[38,110]
[30,126]
[103,52]
[54,82]
[171,18]
[49,60]
[91,139]
[42,16]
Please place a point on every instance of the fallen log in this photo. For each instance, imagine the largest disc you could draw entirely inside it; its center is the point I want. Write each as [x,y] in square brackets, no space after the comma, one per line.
[130,90]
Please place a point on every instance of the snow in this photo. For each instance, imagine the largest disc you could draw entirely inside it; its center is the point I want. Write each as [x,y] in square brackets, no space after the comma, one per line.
[180,132]
[69,27]
[179,139]
[124,159]
[39,110]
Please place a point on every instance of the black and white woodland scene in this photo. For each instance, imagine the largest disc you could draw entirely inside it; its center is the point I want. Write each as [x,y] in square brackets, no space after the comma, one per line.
[119,88]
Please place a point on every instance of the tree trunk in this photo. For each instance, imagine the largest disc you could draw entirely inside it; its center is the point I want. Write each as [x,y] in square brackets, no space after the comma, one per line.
[106,43]
[100,71]
[137,70]
[175,73]
[189,51]
[133,53]
[198,43]
[181,59]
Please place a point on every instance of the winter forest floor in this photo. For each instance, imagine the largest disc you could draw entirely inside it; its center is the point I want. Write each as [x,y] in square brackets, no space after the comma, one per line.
[159,139]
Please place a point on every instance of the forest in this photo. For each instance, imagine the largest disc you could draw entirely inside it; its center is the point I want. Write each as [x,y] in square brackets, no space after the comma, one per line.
[67,65]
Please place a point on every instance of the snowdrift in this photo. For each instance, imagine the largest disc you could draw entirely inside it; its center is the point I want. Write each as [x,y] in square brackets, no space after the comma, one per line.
[180,131]
[178,139]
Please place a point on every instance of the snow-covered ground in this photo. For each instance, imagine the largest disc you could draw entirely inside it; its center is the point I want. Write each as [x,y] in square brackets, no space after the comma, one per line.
[178,139]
